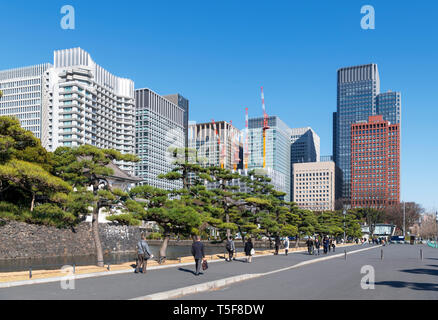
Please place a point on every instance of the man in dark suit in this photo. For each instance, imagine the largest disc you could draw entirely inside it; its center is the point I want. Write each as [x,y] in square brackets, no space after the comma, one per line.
[198,253]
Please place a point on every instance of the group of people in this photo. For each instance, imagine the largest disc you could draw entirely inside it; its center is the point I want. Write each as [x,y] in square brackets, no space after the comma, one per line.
[314,245]
[231,249]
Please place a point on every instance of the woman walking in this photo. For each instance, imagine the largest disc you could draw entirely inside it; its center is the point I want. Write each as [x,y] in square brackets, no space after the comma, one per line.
[249,247]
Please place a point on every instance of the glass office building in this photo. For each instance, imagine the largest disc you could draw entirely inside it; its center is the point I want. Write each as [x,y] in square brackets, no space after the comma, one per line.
[159,128]
[278,165]
[358,98]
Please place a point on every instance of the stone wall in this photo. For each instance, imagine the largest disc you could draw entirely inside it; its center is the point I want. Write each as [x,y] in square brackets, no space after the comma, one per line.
[21,240]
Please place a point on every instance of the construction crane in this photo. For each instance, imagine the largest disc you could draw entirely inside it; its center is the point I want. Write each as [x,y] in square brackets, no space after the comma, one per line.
[265,128]
[246,151]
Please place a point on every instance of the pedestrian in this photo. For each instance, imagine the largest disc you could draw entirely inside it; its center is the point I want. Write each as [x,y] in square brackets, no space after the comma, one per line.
[330,244]
[277,244]
[198,253]
[144,253]
[286,245]
[334,245]
[309,243]
[325,244]
[317,245]
[249,249]
[231,247]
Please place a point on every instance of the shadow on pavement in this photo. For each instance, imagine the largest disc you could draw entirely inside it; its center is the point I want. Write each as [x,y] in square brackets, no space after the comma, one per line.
[410,285]
[422,271]
[187,270]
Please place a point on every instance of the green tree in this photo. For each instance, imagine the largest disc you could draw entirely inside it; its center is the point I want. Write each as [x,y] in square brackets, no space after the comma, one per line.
[87,168]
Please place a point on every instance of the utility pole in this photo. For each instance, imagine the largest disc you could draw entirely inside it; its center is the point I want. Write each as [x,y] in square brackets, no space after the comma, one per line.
[404,219]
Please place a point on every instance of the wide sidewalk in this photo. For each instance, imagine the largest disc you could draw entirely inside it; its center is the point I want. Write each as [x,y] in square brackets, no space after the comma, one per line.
[130,285]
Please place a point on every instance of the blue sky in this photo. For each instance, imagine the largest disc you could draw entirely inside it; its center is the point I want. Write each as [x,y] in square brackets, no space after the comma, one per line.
[219,53]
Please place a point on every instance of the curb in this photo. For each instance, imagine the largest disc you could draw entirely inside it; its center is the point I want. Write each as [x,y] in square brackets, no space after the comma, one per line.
[216,284]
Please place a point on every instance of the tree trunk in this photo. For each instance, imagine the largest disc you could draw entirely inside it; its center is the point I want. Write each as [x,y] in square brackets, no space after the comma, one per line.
[32,205]
[163,249]
[96,236]
[296,242]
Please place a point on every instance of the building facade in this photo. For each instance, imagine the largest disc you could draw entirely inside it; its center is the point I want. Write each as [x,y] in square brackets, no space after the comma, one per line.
[71,103]
[317,185]
[22,95]
[305,145]
[216,144]
[183,103]
[375,163]
[159,128]
[358,98]
[278,165]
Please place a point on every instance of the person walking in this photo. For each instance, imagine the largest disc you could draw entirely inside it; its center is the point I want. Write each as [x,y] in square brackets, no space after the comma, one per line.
[277,245]
[198,253]
[248,250]
[231,247]
[334,244]
[286,245]
[144,253]
[330,244]
[317,245]
[325,244]
[310,245]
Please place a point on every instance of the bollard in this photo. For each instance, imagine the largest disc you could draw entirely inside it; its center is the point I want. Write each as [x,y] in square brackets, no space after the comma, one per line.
[108,267]
[381,254]
[421,254]
[30,273]
[74,268]
[345,254]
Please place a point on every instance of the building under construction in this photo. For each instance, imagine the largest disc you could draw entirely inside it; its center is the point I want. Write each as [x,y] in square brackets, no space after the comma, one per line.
[217,144]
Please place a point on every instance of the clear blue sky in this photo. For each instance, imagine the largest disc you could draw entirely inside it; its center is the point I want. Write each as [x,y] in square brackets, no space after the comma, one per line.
[219,53]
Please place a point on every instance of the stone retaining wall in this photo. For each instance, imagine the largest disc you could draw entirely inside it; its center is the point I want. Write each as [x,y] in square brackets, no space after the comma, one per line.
[21,240]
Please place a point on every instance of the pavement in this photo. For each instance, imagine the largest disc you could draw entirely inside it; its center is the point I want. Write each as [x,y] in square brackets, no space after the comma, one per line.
[401,275]
[131,286]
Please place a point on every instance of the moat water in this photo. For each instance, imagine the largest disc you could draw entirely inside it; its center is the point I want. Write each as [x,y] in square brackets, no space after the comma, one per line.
[51,263]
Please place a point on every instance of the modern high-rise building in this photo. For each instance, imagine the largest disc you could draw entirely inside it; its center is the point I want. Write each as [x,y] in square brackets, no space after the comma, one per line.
[183,103]
[358,98]
[317,185]
[72,102]
[159,129]
[375,163]
[213,149]
[305,145]
[278,165]
[22,95]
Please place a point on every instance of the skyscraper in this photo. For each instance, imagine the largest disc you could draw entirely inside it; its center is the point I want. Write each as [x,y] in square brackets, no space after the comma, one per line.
[72,102]
[183,103]
[305,145]
[22,95]
[375,163]
[358,98]
[159,127]
[213,150]
[278,165]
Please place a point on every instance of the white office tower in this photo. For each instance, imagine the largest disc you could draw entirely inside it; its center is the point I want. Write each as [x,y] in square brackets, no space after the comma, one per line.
[85,104]
[22,95]
[159,132]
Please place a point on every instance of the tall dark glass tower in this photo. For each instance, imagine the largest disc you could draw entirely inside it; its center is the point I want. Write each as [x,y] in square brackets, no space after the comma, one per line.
[358,88]
[359,98]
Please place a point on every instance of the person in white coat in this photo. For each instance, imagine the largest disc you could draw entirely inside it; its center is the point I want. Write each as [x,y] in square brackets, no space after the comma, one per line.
[286,245]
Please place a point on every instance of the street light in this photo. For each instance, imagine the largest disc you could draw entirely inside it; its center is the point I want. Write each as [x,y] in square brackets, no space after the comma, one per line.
[436,224]
[344,212]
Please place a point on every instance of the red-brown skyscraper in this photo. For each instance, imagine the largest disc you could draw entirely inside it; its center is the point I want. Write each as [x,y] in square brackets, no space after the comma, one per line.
[375,163]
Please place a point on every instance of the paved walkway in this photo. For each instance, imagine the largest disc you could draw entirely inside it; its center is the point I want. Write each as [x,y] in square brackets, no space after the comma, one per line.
[400,275]
[130,285]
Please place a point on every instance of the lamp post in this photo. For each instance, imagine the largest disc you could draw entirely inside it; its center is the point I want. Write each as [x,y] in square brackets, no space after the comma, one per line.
[344,212]
[404,219]
[436,225]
